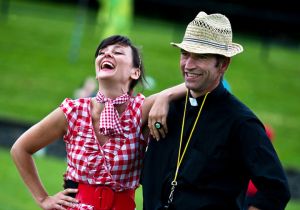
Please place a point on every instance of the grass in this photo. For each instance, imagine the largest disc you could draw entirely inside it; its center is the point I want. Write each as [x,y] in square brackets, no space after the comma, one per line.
[40,65]
[14,195]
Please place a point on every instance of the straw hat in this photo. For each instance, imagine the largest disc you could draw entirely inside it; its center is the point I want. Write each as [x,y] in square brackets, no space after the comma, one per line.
[209,34]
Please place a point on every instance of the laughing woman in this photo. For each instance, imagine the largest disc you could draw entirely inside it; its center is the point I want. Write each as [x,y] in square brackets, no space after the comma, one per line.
[104,135]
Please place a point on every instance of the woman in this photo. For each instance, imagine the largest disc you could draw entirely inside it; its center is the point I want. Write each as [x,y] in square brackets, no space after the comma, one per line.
[103,135]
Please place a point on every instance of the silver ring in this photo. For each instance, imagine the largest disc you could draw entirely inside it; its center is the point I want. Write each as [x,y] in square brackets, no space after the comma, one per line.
[157,125]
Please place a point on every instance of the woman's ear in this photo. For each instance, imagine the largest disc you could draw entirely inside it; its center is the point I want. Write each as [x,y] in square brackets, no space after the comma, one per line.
[135,73]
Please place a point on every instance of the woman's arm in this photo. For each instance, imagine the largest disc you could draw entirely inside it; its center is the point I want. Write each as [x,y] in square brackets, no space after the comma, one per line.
[156,107]
[38,136]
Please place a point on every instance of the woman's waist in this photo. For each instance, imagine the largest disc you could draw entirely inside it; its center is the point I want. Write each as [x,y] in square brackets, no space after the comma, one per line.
[115,186]
[101,197]
[116,179]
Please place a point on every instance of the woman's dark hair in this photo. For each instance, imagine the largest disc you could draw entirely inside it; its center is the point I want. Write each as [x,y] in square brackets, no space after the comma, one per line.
[137,60]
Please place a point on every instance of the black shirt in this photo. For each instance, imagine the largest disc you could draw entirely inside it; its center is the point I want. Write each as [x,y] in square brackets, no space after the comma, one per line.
[228,148]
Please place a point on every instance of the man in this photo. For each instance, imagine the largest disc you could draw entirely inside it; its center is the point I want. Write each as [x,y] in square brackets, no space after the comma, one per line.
[215,143]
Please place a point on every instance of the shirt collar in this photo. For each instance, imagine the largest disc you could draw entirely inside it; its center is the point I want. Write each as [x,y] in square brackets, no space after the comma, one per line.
[214,94]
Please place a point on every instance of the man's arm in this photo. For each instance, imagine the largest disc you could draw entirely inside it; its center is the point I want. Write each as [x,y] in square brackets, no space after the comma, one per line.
[266,171]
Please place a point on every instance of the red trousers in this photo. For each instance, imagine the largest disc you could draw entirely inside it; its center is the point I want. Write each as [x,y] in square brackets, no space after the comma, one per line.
[104,198]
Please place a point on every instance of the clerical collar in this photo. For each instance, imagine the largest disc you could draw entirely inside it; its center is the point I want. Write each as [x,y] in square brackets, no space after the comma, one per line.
[193,101]
[218,91]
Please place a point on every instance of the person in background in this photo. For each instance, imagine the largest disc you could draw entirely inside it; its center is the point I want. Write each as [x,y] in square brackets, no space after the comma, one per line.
[88,89]
[215,143]
[105,136]
[226,84]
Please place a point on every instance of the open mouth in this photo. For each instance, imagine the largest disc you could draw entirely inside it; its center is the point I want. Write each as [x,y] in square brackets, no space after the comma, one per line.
[192,75]
[106,65]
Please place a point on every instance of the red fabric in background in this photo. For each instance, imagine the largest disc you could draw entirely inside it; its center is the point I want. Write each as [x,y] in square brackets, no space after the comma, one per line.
[251,188]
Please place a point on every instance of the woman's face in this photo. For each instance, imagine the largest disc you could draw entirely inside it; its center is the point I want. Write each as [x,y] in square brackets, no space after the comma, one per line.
[114,63]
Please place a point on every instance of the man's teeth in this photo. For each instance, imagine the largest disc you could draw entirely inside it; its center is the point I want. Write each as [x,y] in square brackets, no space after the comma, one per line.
[191,74]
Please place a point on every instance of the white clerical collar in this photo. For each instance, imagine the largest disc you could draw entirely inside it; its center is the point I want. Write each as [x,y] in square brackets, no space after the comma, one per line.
[193,101]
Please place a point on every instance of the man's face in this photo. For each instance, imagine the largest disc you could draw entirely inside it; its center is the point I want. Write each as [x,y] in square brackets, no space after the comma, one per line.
[201,72]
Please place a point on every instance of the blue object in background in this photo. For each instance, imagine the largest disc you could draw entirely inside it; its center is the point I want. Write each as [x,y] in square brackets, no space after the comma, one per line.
[226,85]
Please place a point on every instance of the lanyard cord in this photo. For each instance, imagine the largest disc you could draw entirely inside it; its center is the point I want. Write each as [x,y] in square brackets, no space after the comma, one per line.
[180,156]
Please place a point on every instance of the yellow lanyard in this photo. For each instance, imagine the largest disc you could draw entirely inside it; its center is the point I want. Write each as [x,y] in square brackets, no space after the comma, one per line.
[180,156]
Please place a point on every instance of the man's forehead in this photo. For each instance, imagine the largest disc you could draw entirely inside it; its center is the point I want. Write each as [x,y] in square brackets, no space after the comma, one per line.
[198,54]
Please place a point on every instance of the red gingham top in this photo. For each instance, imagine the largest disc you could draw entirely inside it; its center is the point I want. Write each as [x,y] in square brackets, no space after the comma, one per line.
[117,163]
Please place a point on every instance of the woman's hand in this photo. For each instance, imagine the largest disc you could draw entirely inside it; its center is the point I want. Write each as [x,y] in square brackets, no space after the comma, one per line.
[59,201]
[156,108]
[158,114]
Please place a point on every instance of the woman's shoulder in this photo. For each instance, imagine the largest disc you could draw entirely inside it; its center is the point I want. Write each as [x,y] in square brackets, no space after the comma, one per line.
[137,99]
[139,96]
[70,104]
[135,105]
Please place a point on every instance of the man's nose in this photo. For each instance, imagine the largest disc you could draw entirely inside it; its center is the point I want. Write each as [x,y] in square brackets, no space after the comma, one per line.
[190,63]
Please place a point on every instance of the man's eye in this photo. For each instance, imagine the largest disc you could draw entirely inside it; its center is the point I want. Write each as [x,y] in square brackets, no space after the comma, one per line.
[184,53]
[100,53]
[202,56]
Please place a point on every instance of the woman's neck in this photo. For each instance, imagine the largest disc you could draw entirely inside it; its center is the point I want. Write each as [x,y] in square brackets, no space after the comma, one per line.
[112,90]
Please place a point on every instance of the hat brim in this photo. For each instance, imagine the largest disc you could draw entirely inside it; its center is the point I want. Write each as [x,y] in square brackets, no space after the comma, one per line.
[232,49]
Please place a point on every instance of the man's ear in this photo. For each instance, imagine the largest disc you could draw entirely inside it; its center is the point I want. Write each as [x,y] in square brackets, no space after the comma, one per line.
[135,73]
[224,64]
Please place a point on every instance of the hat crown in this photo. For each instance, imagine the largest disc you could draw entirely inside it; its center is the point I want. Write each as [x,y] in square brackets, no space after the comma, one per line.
[214,28]
[209,34]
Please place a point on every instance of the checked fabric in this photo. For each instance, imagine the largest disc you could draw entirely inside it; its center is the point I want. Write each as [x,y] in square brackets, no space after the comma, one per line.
[109,118]
[117,163]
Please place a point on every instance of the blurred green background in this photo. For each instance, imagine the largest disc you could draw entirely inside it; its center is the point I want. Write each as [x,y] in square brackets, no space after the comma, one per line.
[47,50]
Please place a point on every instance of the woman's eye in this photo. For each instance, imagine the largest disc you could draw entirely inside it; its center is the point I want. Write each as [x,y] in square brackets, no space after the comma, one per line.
[118,53]
[100,53]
